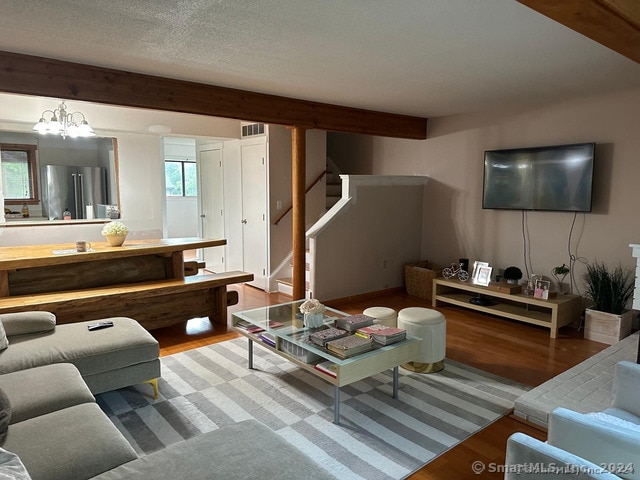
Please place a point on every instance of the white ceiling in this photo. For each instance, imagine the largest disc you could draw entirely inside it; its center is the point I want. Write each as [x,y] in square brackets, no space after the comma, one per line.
[419,57]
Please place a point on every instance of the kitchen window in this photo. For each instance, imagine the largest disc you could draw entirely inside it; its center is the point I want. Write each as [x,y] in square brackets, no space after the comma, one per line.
[181,178]
[19,178]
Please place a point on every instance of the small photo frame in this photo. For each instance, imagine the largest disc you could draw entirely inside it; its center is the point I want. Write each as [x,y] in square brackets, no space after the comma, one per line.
[476,269]
[484,275]
[542,289]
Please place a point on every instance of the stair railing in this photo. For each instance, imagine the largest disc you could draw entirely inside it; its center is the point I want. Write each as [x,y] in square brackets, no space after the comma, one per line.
[290,207]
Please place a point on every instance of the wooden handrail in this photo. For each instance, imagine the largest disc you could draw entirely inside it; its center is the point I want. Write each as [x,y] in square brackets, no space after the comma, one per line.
[290,207]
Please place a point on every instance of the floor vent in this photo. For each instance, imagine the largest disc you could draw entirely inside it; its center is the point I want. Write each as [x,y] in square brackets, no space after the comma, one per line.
[251,129]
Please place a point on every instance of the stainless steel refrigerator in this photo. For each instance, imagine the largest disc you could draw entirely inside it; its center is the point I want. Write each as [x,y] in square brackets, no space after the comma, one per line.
[72,188]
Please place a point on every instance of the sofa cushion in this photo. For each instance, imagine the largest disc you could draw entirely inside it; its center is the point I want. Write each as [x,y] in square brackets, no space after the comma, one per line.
[124,344]
[11,467]
[42,390]
[245,450]
[23,323]
[5,415]
[70,444]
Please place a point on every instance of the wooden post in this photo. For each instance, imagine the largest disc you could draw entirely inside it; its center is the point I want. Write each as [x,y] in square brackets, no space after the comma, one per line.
[298,178]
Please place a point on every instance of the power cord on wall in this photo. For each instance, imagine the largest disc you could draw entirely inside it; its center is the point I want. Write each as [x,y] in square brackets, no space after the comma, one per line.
[526,253]
[573,259]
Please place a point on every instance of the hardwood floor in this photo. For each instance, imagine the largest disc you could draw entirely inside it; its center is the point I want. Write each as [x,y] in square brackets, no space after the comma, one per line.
[521,352]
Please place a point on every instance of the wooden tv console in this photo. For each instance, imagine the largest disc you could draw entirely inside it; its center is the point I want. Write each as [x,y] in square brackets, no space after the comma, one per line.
[552,314]
[147,280]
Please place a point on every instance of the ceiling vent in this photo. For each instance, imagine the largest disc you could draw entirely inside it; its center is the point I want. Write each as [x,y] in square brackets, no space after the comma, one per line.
[251,129]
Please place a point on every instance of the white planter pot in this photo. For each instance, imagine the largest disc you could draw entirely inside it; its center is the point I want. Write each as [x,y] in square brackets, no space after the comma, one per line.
[313,320]
[607,327]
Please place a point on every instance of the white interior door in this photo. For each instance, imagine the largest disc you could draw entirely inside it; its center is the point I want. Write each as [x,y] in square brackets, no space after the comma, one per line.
[254,212]
[211,192]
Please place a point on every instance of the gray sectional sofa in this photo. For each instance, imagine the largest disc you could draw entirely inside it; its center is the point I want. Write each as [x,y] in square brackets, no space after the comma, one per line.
[54,430]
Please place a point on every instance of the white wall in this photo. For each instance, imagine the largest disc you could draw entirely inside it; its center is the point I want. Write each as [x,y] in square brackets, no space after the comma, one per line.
[455,224]
[362,244]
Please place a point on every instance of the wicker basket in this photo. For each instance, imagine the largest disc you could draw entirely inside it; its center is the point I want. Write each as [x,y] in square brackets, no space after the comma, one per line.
[419,277]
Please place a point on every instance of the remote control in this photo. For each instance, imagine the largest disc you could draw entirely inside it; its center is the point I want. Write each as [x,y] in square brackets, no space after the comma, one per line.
[100,325]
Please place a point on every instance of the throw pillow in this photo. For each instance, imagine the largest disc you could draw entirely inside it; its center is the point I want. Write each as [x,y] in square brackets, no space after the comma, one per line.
[22,323]
[4,343]
[5,416]
[619,422]
[12,467]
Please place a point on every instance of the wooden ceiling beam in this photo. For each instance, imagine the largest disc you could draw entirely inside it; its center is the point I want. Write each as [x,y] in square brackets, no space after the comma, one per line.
[612,23]
[30,75]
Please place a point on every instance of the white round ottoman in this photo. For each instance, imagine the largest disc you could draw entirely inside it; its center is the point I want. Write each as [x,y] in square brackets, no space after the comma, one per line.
[384,315]
[431,326]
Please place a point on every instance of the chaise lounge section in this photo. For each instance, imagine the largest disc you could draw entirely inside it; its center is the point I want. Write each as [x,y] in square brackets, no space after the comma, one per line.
[108,359]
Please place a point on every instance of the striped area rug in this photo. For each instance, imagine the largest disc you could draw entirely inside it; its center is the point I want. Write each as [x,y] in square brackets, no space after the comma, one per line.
[379,438]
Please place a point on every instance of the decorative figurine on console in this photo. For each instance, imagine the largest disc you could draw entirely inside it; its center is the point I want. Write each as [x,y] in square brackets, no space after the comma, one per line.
[456,269]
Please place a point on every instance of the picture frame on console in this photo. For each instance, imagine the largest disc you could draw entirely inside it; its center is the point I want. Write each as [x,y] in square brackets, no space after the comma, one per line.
[484,276]
[476,269]
[542,289]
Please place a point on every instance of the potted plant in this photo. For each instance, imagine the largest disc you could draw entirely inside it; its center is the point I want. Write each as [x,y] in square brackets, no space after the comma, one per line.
[559,273]
[115,233]
[608,290]
[512,274]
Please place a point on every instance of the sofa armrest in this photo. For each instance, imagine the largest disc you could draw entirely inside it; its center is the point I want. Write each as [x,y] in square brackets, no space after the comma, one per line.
[626,387]
[527,456]
[595,440]
[22,323]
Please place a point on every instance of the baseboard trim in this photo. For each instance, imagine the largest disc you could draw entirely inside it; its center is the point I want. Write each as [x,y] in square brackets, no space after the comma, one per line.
[362,296]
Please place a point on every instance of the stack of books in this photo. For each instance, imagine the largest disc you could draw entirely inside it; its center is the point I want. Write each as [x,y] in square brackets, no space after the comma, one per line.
[248,326]
[321,337]
[349,346]
[382,334]
[328,367]
[268,338]
[353,322]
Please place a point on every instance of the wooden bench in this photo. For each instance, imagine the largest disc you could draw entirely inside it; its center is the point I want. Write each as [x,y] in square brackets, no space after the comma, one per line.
[148,280]
[154,304]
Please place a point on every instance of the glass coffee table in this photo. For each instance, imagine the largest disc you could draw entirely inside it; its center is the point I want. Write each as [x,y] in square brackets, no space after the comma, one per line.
[280,328]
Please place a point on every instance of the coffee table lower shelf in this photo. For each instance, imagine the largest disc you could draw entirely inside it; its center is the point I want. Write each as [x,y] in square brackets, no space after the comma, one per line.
[356,368]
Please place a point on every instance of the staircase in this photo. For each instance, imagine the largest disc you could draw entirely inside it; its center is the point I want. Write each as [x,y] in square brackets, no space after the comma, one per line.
[334,183]
[333,195]
[285,285]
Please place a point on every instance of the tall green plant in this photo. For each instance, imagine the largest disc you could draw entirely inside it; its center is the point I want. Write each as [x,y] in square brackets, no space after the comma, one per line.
[609,289]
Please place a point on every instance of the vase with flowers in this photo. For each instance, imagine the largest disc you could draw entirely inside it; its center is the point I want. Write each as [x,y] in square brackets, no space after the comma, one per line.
[313,312]
[115,233]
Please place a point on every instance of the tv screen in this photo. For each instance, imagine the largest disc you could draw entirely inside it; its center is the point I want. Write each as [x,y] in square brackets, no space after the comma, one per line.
[556,178]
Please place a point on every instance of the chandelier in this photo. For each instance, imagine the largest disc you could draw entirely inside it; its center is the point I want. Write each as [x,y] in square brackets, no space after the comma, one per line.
[64,123]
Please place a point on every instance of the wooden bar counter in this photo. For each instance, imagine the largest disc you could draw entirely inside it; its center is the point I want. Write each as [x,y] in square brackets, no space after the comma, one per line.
[143,279]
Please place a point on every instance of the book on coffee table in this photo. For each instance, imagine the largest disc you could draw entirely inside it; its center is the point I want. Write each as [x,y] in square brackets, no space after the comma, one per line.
[382,334]
[327,367]
[248,326]
[353,322]
[349,346]
[321,337]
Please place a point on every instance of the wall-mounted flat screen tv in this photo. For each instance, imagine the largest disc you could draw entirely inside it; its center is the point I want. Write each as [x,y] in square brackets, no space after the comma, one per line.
[556,178]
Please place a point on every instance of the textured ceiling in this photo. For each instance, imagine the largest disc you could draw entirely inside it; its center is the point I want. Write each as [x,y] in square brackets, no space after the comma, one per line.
[419,57]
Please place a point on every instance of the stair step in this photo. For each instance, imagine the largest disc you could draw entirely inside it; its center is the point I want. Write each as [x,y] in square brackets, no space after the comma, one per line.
[288,281]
